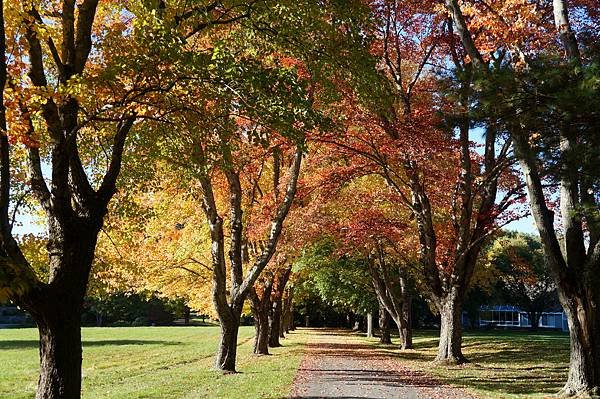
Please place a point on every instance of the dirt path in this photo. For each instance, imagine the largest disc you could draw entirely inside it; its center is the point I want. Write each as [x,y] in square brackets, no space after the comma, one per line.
[338,364]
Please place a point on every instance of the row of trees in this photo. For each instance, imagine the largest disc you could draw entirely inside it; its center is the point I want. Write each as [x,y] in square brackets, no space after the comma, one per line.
[511,271]
[352,120]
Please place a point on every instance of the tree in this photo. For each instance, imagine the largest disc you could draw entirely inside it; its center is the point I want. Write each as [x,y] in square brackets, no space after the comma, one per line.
[260,303]
[422,153]
[384,325]
[392,288]
[267,305]
[58,112]
[156,241]
[230,309]
[341,281]
[357,210]
[377,230]
[268,96]
[523,274]
[276,316]
[550,141]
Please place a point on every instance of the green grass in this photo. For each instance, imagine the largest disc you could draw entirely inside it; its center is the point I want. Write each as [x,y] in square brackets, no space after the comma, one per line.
[503,364]
[155,362]
[175,362]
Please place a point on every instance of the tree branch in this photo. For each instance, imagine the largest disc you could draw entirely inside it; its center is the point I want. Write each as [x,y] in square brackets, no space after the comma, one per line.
[108,186]
[276,224]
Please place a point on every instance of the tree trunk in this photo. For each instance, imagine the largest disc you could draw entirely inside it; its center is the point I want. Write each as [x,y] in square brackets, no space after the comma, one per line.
[281,326]
[449,349]
[260,307]
[384,326]
[57,308]
[405,327]
[275,324]
[226,355]
[584,367]
[186,315]
[285,326]
[287,316]
[284,319]
[534,320]
[261,340]
[291,324]
[261,325]
[350,319]
[60,354]
[369,324]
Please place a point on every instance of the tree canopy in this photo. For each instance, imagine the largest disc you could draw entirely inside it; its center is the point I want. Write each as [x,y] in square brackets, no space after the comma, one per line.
[239,156]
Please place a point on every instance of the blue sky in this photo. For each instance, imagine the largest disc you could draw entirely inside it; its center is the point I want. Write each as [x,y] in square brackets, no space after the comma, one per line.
[524,225]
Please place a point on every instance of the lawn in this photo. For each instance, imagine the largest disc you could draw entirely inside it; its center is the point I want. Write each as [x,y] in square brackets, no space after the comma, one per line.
[175,362]
[155,362]
[503,364]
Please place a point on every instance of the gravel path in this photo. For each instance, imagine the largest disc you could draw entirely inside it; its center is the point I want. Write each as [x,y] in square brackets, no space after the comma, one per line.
[340,365]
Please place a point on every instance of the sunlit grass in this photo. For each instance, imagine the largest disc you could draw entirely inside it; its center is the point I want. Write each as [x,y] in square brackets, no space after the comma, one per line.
[155,362]
[503,364]
[176,362]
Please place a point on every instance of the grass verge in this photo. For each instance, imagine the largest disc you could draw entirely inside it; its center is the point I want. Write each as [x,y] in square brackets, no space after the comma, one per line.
[503,364]
[155,362]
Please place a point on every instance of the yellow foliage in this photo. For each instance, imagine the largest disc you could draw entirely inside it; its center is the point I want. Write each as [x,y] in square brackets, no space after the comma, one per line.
[163,249]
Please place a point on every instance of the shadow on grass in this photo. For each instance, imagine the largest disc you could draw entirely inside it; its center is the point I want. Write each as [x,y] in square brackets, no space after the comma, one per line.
[501,362]
[33,344]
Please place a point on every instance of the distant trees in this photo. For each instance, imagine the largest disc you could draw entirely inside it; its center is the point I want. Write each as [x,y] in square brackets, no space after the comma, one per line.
[268,305]
[341,281]
[392,282]
[523,274]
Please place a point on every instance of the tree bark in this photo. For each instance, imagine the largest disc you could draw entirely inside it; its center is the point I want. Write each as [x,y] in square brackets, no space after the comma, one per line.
[261,340]
[226,355]
[283,328]
[60,354]
[287,313]
[290,315]
[534,320]
[406,336]
[260,310]
[584,329]
[275,324]
[450,345]
[282,321]
[57,307]
[384,326]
